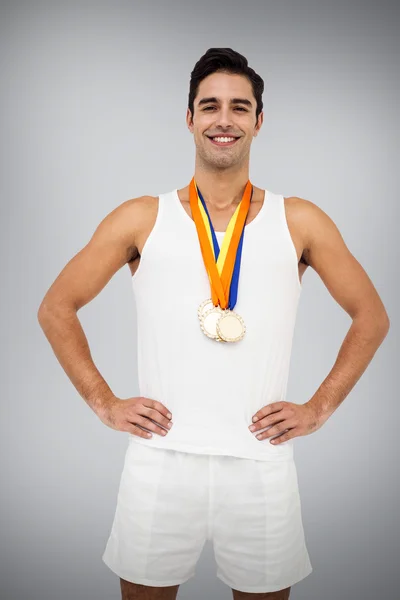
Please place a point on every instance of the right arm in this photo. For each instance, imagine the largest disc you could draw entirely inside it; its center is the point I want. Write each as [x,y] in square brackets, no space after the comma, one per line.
[85,275]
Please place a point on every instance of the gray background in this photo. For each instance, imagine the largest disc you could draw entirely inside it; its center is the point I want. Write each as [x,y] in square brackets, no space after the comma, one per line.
[93,106]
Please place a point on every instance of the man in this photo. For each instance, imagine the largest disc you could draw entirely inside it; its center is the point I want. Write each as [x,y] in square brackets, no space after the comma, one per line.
[215,325]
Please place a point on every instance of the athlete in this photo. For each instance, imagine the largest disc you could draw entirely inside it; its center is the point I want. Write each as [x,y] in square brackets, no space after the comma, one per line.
[217,269]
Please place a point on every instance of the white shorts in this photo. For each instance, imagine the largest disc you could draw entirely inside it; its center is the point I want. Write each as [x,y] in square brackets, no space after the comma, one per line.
[170,502]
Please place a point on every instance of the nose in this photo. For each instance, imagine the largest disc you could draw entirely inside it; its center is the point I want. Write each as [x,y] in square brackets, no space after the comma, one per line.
[224,117]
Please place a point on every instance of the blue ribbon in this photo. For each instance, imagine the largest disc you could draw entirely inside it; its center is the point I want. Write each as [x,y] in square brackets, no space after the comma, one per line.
[233,291]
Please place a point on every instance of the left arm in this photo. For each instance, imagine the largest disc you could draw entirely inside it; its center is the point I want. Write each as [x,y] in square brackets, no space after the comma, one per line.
[350,286]
[348,283]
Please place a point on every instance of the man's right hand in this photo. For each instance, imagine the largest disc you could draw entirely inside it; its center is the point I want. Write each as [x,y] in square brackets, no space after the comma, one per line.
[136,415]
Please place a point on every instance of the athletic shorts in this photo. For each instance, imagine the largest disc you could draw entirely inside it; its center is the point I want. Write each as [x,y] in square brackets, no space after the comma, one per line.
[170,502]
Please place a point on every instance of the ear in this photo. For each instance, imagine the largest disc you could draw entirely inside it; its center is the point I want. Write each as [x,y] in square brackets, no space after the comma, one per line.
[259,123]
[189,120]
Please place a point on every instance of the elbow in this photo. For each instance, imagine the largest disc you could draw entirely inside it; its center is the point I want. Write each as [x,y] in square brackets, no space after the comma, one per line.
[373,324]
[383,322]
[50,310]
[43,313]
[385,325]
[55,307]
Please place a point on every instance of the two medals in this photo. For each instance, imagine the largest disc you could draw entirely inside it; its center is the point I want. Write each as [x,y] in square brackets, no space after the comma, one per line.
[218,320]
[220,325]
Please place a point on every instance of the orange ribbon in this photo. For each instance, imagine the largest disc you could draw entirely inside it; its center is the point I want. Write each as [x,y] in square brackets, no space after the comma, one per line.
[220,285]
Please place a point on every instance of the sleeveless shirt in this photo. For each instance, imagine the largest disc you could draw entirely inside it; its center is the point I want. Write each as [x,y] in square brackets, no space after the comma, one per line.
[213,389]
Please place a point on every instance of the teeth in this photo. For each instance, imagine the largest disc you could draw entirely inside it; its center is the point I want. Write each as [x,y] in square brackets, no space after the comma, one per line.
[223,139]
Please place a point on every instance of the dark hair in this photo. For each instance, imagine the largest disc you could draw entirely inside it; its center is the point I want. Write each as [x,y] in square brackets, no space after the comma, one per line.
[224,60]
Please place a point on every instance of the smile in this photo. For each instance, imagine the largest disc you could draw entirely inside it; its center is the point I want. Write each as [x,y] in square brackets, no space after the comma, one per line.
[223,141]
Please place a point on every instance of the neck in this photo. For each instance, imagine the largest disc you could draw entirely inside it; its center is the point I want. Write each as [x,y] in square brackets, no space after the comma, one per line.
[221,189]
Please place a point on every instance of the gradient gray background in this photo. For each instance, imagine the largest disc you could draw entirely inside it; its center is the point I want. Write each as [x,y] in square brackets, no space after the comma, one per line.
[94,97]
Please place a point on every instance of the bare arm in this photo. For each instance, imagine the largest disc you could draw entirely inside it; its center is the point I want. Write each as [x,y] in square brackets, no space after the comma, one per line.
[84,276]
[349,284]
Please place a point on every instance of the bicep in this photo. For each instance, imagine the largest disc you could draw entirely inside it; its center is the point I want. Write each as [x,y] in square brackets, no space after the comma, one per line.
[342,274]
[87,273]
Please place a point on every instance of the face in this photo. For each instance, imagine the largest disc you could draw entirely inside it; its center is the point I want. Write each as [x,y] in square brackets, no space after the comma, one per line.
[222,117]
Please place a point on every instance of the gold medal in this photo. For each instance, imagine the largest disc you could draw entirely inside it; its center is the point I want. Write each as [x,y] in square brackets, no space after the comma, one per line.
[217,320]
[204,307]
[219,324]
[209,321]
[230,326]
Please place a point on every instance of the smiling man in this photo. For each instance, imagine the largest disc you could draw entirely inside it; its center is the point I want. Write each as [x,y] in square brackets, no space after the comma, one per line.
[217,269]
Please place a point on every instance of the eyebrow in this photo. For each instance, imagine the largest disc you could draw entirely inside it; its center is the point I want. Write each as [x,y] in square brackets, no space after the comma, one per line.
[232,101]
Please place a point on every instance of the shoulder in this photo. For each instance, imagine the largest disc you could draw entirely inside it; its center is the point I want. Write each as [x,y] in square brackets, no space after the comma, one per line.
[136,207]
[126,222]
[328,254]
[319,234]
[309,218]
[139,206]
[135,213]
[300,208]
[324,246]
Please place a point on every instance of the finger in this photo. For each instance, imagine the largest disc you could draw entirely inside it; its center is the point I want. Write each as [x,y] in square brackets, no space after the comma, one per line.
[279,428]
[150,425]
[155,405]
[134,430]
[267,410]
[267,422]
[284,437]
[156,416]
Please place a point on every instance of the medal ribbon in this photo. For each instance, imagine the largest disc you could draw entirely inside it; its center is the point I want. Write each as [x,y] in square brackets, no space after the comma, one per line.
[220,256]
[223,266]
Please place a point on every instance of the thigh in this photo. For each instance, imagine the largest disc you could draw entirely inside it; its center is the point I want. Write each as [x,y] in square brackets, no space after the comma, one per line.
[159,527]
[134,591]
[257,527]
[279,595]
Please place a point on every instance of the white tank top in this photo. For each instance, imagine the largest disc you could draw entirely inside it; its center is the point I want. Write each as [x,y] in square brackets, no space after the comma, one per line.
[213,389]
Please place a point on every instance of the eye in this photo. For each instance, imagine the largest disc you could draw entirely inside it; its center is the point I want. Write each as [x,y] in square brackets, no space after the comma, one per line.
[237,108]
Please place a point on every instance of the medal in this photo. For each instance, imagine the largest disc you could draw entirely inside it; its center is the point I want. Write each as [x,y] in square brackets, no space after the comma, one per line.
[217,319]
[209,323]
[204,307]
[230,326]
[220,325]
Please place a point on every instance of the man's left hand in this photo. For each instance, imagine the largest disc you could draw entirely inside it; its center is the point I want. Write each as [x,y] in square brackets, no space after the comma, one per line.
[291,419]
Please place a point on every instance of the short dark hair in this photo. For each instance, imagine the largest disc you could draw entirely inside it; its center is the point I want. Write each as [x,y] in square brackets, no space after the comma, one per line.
[224,60]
